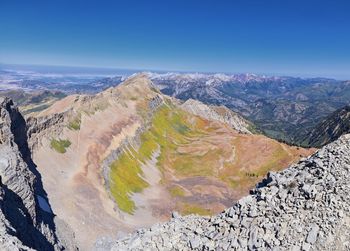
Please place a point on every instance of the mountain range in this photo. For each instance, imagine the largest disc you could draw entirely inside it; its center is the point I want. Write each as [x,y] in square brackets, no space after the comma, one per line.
[129,156]
[285,108]
[84,171]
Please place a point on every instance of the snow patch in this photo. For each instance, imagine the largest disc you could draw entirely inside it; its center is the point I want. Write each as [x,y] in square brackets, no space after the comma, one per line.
[44,205]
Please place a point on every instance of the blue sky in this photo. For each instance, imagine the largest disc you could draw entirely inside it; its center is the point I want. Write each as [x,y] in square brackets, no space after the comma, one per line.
[307,38]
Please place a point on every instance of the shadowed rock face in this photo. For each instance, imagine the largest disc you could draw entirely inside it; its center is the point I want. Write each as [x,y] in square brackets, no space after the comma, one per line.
[305,207]
[24,224]
[330,129]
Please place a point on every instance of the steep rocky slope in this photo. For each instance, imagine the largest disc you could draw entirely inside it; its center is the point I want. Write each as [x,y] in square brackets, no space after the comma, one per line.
[220,113]
[335,125]
[26,217]
[127,157]
[305,207]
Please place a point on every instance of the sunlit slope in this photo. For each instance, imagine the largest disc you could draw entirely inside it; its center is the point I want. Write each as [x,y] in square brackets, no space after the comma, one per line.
[71,155]
[204,164]
[129,156]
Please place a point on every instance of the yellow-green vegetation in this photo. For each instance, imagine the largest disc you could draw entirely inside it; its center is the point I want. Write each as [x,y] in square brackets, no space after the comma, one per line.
[75,123]
[168,129]
[190,146]
[176,191]
[187,208]
[172,128]
[125,179]
[60,145]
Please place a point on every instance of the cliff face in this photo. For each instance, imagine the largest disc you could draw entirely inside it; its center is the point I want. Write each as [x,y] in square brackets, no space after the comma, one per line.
[26,217]
[37,128]
[305,207]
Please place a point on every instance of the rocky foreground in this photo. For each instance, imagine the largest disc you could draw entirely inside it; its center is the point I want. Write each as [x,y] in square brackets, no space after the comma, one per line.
[305,207]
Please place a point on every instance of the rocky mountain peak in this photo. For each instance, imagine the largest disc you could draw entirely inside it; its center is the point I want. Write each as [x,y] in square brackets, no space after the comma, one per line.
[134,82]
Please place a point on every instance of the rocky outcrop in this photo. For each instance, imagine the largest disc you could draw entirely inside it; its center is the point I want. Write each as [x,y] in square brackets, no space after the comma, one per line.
[27,221]
[39,127]
[219,113]
[305,207]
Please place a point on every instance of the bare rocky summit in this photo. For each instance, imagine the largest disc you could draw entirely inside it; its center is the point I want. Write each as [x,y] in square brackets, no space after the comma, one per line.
[304,207]
[26,219]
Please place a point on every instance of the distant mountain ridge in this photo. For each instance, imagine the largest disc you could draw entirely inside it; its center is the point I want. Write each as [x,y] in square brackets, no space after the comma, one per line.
[282,107]
[286,108]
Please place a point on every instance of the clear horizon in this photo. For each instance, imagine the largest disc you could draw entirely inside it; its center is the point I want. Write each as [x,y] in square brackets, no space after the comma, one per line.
[289,38]
[114,71]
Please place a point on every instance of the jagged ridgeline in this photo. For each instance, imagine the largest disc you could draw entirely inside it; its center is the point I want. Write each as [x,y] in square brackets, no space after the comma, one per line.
[127,157]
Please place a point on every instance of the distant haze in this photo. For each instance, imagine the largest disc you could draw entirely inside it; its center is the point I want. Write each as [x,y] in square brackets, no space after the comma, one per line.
[54,71]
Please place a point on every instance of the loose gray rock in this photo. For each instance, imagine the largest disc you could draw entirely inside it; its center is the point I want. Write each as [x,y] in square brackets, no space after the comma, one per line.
[312,235]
